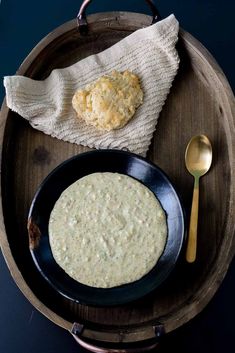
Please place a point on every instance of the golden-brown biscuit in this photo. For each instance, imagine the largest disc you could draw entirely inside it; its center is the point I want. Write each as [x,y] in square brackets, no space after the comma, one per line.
[109,102]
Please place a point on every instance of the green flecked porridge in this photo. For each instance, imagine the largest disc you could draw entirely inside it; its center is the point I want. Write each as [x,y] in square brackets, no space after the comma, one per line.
[107,229]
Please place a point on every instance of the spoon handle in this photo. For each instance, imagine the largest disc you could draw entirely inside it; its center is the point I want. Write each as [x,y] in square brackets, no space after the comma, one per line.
[192,237]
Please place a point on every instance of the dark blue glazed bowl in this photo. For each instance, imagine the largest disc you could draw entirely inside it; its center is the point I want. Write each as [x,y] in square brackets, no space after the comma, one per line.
[70,171]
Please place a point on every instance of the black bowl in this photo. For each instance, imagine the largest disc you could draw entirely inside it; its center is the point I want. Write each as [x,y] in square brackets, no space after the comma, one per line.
[66,174]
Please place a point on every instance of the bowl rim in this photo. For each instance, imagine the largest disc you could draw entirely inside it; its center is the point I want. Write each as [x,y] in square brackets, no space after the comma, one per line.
[147,163]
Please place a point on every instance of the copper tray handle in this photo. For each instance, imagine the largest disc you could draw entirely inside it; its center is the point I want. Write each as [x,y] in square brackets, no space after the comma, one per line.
[97,346]
[82,21]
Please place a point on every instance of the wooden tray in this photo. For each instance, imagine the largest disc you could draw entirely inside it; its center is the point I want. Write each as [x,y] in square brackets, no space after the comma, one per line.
[200,101]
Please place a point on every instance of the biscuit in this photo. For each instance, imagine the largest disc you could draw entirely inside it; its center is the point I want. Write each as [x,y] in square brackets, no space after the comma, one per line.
[109,102]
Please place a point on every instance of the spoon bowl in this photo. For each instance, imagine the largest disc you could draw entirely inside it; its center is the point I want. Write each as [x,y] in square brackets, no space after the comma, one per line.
[198,158]
[198,155]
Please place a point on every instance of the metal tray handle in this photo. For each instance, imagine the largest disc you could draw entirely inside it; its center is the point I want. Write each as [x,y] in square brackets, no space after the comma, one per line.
[99,346]
[82,21]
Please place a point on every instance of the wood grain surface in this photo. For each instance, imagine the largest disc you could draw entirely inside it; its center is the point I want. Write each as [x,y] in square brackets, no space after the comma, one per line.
[200,102]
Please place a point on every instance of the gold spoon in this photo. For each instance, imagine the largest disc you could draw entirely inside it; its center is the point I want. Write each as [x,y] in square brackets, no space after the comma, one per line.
[198,158]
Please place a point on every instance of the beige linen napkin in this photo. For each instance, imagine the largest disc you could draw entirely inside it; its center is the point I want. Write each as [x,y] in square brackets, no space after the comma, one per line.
[149,52]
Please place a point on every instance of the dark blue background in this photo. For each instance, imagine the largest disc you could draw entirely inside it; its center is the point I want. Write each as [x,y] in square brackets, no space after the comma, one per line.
[22,24]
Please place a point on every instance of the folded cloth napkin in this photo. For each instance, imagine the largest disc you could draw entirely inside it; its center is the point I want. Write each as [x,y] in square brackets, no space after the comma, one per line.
[149,52]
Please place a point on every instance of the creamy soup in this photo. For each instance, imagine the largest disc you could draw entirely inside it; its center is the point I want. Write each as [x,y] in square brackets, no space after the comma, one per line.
[107,229]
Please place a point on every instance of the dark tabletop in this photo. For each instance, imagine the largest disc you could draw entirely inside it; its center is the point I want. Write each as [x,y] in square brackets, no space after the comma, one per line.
[22,24]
